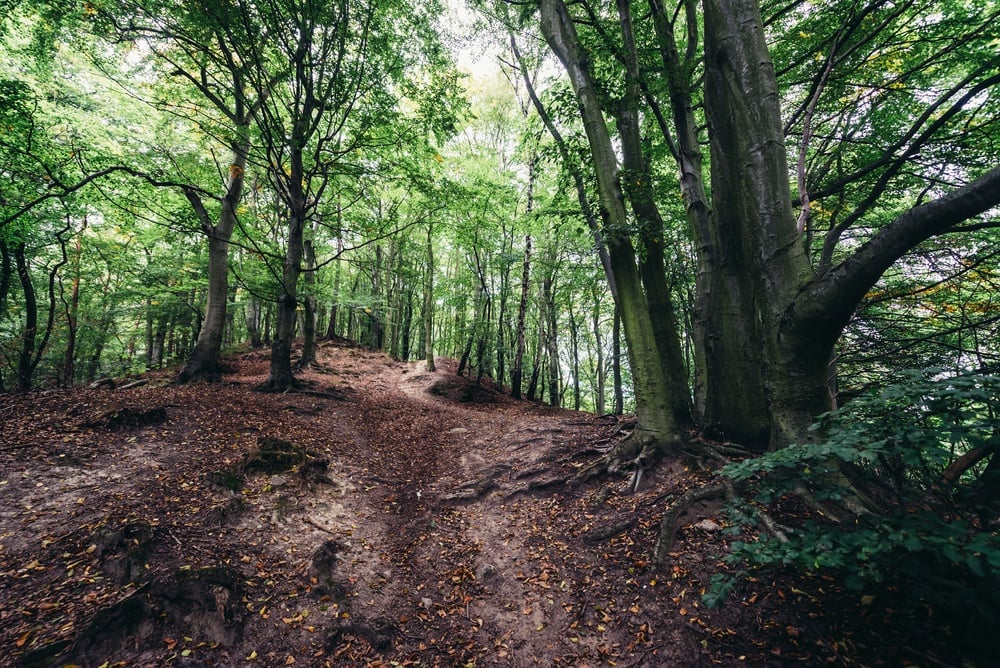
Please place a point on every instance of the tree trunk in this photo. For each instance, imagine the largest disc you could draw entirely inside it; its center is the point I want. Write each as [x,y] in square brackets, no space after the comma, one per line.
[756,230]
[538,359]
[657,425]
[600,403]
[503,329]
[72,314]
[253,318]
[517,368]
[203,362]
[281,377]
[30,331]
[551,325]
[159,338]
[308,356]
[616,365]
[574,345]
[407,326]
[638,188]
[428,310]
[6,276]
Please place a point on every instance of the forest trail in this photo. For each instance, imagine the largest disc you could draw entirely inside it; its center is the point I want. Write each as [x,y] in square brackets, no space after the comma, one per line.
[402,518]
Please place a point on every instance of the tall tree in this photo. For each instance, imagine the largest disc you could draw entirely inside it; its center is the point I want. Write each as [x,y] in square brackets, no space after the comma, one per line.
[198,44]
[768,312]
[654,400]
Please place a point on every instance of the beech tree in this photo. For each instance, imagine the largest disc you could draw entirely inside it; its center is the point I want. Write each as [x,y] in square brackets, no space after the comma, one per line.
[199,44]
[774,290]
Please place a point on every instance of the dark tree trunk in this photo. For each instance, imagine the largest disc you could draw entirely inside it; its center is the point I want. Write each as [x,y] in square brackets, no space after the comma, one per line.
[574,343]
[600,403]
[551,342]
[428,308]
[6,276]
[616,365]
[72,315]
[308,356]
[253,318]
[30,331]
[281,377]
[406,326]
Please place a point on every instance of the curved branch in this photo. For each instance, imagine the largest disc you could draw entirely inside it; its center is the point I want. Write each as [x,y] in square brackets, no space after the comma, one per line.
[60,190]
[831,300]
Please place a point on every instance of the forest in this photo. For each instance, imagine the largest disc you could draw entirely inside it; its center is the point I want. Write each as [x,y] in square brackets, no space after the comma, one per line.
[758,237]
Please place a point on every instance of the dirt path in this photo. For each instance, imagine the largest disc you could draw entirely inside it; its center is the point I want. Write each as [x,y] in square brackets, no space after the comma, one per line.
[422,521]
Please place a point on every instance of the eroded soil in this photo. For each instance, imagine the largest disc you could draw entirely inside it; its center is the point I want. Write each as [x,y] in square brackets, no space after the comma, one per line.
[419,520]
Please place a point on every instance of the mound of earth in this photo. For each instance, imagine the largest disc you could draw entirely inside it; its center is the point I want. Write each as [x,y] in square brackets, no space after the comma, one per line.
[386,516]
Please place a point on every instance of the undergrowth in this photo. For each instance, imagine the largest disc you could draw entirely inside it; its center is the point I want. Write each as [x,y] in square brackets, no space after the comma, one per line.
[923,454]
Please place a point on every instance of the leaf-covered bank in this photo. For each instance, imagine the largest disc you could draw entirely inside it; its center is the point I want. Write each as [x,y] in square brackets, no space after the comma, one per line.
[383,514]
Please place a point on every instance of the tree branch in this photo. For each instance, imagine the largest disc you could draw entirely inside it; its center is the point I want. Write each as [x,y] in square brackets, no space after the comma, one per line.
[60,190]
[831,300]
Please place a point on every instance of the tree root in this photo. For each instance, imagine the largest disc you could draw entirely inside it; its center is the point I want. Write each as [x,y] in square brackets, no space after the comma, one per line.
[270,387]
[604,533]
[638,451]
[778,531]
[671,518]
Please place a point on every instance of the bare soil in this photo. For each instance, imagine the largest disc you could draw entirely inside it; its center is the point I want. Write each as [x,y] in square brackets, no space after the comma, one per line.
[384,516]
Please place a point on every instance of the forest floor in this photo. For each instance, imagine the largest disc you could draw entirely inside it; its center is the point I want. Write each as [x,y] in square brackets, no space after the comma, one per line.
[385,516]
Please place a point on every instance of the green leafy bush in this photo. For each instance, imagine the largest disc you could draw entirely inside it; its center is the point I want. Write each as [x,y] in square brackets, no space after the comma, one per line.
[919,454]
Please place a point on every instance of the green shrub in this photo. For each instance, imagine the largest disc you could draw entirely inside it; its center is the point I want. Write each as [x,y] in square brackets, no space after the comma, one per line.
[929,530]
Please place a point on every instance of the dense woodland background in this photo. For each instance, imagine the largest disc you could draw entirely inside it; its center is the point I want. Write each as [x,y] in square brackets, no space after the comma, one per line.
[725,217]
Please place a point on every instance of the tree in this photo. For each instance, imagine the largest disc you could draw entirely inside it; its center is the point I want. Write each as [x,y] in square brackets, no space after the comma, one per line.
[650,347]
[342,60]
[199,42]
[768,311]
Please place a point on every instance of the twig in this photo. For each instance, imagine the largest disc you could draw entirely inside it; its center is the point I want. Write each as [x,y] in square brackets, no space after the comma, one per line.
[310,521]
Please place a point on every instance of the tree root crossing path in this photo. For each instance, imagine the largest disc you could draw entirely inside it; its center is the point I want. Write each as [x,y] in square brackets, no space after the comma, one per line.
[379,515]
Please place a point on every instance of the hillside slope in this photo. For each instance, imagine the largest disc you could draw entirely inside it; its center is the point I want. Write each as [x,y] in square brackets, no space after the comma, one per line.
[383,516]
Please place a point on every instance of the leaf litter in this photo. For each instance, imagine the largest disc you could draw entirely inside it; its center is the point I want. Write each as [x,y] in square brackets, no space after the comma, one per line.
[388,516]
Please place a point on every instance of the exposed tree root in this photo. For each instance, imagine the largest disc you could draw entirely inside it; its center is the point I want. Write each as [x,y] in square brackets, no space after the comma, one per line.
[472,490]
[668,525]
[640,449]
[608,532]
[123,417]
[199,369]
[271,387]
[535,485]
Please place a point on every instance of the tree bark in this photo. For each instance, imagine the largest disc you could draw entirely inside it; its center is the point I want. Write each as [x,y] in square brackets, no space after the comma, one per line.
[30,331]
[600,404]
[281,377]
[72,313]
[428,310]
[657,426]
[551,340]
[517,369]
[308,356]
[203,362]
[638,188]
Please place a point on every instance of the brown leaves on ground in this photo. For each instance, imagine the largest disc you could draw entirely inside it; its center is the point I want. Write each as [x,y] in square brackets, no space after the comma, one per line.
[414,519]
